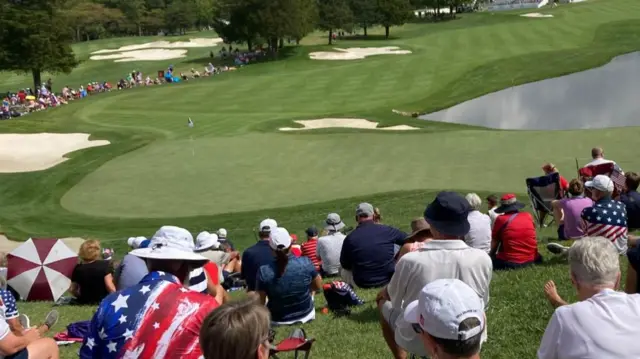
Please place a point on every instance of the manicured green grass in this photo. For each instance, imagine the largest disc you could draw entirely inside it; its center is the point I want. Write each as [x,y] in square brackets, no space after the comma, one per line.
[234,168]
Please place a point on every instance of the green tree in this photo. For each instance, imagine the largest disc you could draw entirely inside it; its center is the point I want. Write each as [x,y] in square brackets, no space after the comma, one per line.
[134,10]
[180,15]
[334,15]
[205,12]
[35,38]
[152,22]
[364,13]
[393,13]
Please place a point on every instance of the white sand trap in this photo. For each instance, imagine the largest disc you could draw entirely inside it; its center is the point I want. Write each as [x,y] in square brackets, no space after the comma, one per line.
[143,55]
[344,123]
[357,53]
[200,42]
[536,15]
[39,151]
[7,245]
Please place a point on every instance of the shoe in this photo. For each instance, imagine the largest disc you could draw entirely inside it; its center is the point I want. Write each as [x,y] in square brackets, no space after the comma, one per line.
[51,319]
[556,248]
[24,321]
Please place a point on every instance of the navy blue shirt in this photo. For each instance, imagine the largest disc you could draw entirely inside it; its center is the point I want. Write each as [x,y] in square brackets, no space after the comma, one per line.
[289,295]
[253,258]
[369,251]
[631,201]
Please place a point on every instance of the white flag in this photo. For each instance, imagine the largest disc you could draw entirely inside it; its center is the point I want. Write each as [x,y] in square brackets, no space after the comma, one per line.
[190,123]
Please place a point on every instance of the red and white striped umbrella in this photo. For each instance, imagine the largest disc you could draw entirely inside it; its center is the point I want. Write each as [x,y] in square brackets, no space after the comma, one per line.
[40,269]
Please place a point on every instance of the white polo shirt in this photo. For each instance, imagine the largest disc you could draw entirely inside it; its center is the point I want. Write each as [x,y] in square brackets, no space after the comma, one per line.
[603,326]
[438,259]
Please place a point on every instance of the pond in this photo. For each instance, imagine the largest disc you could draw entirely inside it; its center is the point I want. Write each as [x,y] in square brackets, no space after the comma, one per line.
[607,96]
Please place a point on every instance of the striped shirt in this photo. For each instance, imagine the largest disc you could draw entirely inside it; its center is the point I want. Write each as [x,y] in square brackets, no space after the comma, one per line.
[608,219]
[198,280]
[309,249]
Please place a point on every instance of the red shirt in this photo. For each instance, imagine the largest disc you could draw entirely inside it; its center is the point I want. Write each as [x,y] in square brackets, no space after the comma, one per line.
[564,184]
[309,249]
[519,244]
[296,251]
[212,271]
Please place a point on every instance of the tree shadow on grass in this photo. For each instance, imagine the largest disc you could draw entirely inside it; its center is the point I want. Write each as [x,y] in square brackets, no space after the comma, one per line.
[282,54]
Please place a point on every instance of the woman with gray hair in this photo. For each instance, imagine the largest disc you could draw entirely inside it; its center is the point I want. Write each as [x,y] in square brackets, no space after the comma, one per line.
[603,323]
[479,235]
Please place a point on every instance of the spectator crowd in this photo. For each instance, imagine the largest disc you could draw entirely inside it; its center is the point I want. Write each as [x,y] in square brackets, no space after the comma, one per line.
[168,297]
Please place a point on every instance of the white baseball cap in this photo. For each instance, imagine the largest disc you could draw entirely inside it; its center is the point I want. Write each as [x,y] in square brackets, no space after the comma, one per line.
[268,225]
[601,183]
[442,306]
[171,242]
[279,239]
[206,240]
[222,233]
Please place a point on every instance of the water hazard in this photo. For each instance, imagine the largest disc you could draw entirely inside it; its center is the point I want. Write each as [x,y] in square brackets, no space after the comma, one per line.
[607,96]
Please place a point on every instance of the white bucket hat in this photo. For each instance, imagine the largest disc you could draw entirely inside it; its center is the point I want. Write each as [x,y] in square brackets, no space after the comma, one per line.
[171,242]
[206,240]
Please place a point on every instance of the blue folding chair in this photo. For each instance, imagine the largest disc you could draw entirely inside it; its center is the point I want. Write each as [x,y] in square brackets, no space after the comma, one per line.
[542,191]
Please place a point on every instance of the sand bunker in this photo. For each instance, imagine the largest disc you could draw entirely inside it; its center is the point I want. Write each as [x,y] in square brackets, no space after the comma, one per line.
[143,55]
[344,123]
[7,245]
[39,151]
[165,45]
[536,15]
[357,53]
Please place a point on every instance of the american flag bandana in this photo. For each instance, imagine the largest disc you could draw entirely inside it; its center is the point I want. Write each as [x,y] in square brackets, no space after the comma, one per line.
[608,219]
[155,319]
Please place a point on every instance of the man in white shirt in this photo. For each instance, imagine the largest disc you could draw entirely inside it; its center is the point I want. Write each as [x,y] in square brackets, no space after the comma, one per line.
[479,235]
[28,346]
[445,257]
[330,246]
[597,154]
[603,324]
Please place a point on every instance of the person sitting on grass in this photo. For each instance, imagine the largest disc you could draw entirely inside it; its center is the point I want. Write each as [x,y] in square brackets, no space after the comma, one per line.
[330,245]
[446,256]
[310,247]
[479,235]
[258,255]
[92,279]
[597,155]
[288,283]
[132,269]
[157,318]
[20,323]
[514,244]
[224,240]
[492,204]
[368,253]
[29,345]
[209,246]
[236,330]
[603,323]
[567,212]
[449,318]
[631,200]
[606,217]
[420,234]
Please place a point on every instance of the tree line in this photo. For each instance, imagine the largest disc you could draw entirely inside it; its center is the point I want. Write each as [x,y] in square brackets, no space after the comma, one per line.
[35,35]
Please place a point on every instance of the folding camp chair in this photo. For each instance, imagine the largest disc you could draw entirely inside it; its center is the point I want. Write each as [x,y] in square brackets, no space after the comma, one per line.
[296,342]
[542,191]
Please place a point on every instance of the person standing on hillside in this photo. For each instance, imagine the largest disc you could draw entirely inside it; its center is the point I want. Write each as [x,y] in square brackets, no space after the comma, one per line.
[368,253]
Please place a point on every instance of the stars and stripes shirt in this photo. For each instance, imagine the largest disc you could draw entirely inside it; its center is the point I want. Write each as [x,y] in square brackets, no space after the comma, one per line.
[607,218]
[8,306]
[155,319]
